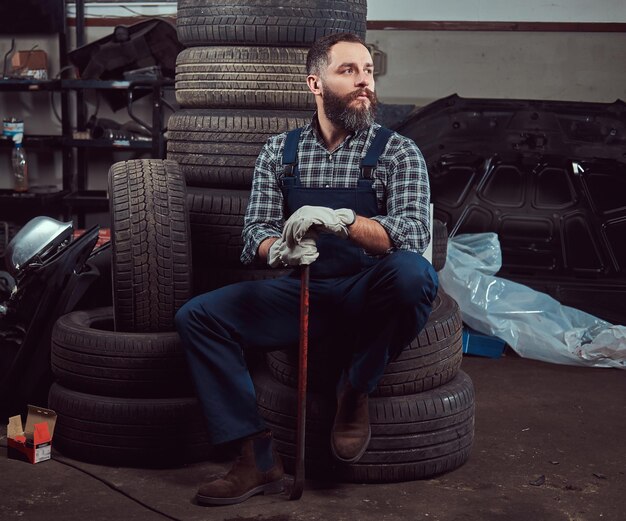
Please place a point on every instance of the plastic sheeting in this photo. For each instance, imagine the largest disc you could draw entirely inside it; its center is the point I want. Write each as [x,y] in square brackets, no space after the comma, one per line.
[534,324]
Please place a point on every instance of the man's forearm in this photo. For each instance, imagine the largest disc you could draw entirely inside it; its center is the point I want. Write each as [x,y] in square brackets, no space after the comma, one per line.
[370,235]
[264,248]
[366,233]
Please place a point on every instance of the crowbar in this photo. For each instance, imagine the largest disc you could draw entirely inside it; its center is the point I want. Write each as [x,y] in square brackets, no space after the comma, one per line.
[298,475]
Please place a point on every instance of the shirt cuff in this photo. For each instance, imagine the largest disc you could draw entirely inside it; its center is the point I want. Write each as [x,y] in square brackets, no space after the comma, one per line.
[396,228]
[251,247]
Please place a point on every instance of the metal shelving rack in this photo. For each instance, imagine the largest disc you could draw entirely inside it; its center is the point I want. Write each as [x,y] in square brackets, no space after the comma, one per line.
[73,199]
[25,18]
[95,199]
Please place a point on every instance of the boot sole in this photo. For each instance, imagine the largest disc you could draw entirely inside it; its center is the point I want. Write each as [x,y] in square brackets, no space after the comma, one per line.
[358,456]
[275,487]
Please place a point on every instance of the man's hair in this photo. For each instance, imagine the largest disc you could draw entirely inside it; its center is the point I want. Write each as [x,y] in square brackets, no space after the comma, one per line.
[317,58]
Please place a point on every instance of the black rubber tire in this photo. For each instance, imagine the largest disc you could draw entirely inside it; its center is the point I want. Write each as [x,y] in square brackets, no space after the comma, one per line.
[88,356]
[440,244]
[413,437]
[213,278]
[238,77]
[433,358]
[128,431]
[218,148]
[216,218]
[151,250]
[267,22]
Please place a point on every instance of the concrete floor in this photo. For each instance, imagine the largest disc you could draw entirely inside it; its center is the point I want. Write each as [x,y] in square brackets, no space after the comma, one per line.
[533,419]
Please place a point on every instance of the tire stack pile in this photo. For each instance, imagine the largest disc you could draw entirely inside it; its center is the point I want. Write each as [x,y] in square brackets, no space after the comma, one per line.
[123,394]
[240,80]
[421,414]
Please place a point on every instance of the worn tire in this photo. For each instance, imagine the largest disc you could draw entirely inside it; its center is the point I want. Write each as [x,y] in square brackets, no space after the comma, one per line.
[430,360]
[151,257]
[413,437]
[209,279]
[88,356]
[218,148]
[267,22]
[128,431]
[216,218]
[239,77]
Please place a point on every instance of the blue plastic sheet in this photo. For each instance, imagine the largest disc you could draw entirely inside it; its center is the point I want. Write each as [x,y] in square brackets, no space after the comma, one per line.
[534,324]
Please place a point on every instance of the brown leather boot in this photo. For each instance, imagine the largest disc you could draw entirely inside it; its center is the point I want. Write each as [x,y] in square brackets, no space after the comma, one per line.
[258,470]
[351,430]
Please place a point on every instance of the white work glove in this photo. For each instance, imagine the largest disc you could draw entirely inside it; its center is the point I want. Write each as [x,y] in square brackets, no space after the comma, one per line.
[321,219]
[281,255]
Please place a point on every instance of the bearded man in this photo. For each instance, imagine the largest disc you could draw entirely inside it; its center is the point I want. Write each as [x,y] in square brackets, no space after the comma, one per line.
[351,199]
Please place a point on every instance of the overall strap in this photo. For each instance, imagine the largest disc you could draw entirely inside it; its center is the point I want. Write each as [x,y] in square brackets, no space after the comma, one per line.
[368,163]
[290,152]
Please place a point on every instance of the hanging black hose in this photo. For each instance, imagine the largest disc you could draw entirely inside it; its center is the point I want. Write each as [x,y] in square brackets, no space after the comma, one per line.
[7,57]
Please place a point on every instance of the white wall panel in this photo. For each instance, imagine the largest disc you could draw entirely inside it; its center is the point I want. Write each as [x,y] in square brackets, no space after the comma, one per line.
[498,10]
[422,10]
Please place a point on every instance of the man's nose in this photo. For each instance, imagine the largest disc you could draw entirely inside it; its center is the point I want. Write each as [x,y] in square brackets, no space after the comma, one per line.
[363,79]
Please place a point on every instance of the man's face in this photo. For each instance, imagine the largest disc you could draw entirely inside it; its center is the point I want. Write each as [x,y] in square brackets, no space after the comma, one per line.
[347,87]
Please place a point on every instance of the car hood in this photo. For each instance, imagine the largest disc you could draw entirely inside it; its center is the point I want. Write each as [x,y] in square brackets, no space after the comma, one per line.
[549,177]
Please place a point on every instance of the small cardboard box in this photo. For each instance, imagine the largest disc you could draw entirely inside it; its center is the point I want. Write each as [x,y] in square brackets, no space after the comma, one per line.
[32,443]
[30,64]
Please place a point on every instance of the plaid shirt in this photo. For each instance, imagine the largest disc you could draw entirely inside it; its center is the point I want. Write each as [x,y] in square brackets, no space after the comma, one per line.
[401,185]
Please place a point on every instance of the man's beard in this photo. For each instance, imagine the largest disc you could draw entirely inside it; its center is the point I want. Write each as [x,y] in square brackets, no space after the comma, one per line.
[340,112]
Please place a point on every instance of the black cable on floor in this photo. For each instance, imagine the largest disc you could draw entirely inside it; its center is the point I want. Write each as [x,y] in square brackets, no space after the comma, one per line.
[116,488]
[108,484]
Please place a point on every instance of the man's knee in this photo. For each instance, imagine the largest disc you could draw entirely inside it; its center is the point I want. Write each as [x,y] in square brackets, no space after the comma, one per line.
[414,278]
[186,315]
[183,316]
[194,311]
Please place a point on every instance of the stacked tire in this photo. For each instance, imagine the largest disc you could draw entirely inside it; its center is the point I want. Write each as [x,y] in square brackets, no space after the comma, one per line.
[123,394]
[240,80]
[421,414]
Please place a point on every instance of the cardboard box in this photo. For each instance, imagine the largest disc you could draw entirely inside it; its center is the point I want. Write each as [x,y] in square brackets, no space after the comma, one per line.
[30,64]
[32,443]
[475,343]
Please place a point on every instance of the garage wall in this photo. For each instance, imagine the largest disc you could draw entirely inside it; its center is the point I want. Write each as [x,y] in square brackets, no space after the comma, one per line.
[498,10]
[426,65]
[422,66]
[417,10]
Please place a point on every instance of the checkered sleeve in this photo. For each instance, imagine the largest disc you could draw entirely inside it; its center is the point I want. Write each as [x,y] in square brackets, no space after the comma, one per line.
[407,197]
[264,215]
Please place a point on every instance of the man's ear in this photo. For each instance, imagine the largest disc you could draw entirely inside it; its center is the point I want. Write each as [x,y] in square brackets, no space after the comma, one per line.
[313,82]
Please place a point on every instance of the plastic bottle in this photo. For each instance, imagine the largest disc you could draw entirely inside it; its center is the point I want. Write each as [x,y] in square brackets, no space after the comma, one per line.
[20,168]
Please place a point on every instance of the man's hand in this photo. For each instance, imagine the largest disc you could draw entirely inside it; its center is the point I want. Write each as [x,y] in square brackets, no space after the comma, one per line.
[281,255]
[319,218]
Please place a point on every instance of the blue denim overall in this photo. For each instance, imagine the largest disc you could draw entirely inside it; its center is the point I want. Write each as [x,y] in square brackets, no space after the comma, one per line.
[363,308]
[337,257]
